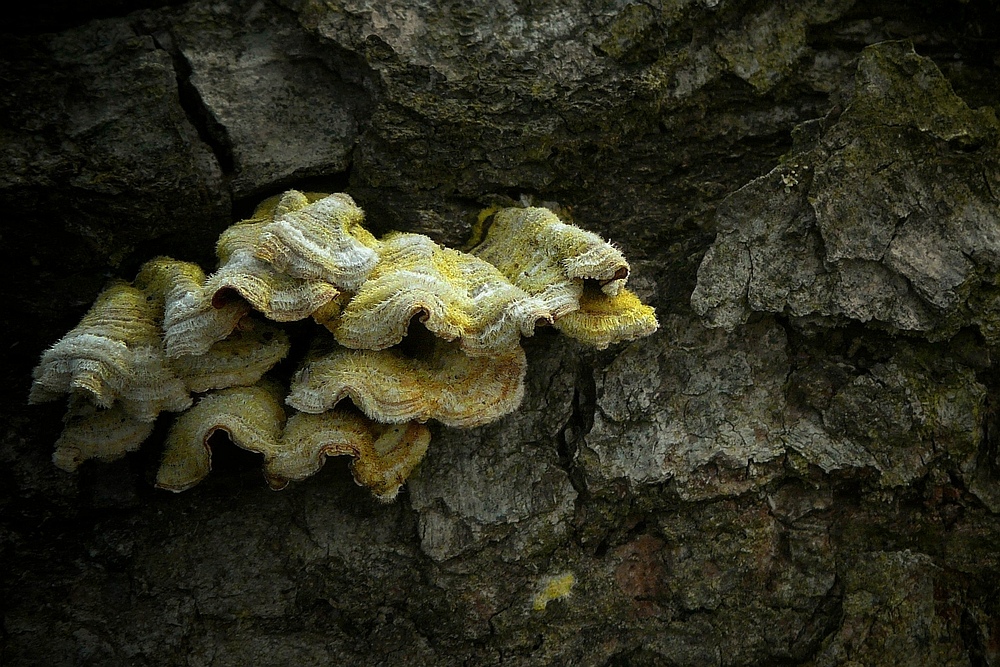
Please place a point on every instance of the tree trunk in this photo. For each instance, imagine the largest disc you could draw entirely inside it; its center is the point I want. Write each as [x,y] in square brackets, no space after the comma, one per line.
[800,467]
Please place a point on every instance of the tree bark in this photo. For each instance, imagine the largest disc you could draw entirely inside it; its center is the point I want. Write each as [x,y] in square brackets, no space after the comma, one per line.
[801,467]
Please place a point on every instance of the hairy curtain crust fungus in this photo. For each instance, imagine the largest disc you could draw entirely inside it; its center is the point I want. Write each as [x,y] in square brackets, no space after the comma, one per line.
[239,360]
[550,259]
[294,256]
[391,387]
[602,320]
[114,355]
[578,275]
[96,433]
[252,417]
[384,455]
[318,240]
[419,332]
[191,324]
[280,297]
[453,294]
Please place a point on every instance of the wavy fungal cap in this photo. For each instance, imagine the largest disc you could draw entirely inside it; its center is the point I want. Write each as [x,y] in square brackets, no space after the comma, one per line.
[279,296]
[603,320]
[115,355]
[252,417]
[239,360]
[455,295]
[384,456]
[319,240]
[549,258]
[392,387]
[92,433]
[577,274]
[420,332]
[191,324]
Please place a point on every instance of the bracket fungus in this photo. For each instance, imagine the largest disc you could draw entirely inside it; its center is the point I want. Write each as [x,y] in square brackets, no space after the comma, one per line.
[577,275]
[280,297]
[191,324]
[444,384]
[114,355]
[252,417]
[383,455]
[411,332]
[602,319]
[95,433]
[252,349]
[454,294]
[318,240]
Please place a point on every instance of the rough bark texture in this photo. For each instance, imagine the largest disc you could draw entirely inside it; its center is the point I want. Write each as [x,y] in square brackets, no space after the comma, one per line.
[801,467]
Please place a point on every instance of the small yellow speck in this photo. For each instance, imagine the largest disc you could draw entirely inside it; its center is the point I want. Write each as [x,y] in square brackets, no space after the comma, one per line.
[553,588]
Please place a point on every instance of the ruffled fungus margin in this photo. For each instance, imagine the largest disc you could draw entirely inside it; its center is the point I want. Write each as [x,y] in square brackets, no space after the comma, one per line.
[391,387]
[579,276]
[454,294]
[145,347]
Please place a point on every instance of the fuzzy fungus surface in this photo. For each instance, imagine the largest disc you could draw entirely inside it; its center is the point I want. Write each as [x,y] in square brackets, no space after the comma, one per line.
[457,296]
[114,356]
[190,323]
[406,332]
[578,276]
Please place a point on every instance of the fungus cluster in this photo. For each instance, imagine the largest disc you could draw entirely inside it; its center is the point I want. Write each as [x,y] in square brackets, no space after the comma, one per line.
[176,340]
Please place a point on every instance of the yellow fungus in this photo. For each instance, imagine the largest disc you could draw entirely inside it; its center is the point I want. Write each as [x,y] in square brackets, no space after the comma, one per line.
[557,587]
[252,417]
[454,295]
[392,387]
[422,333]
